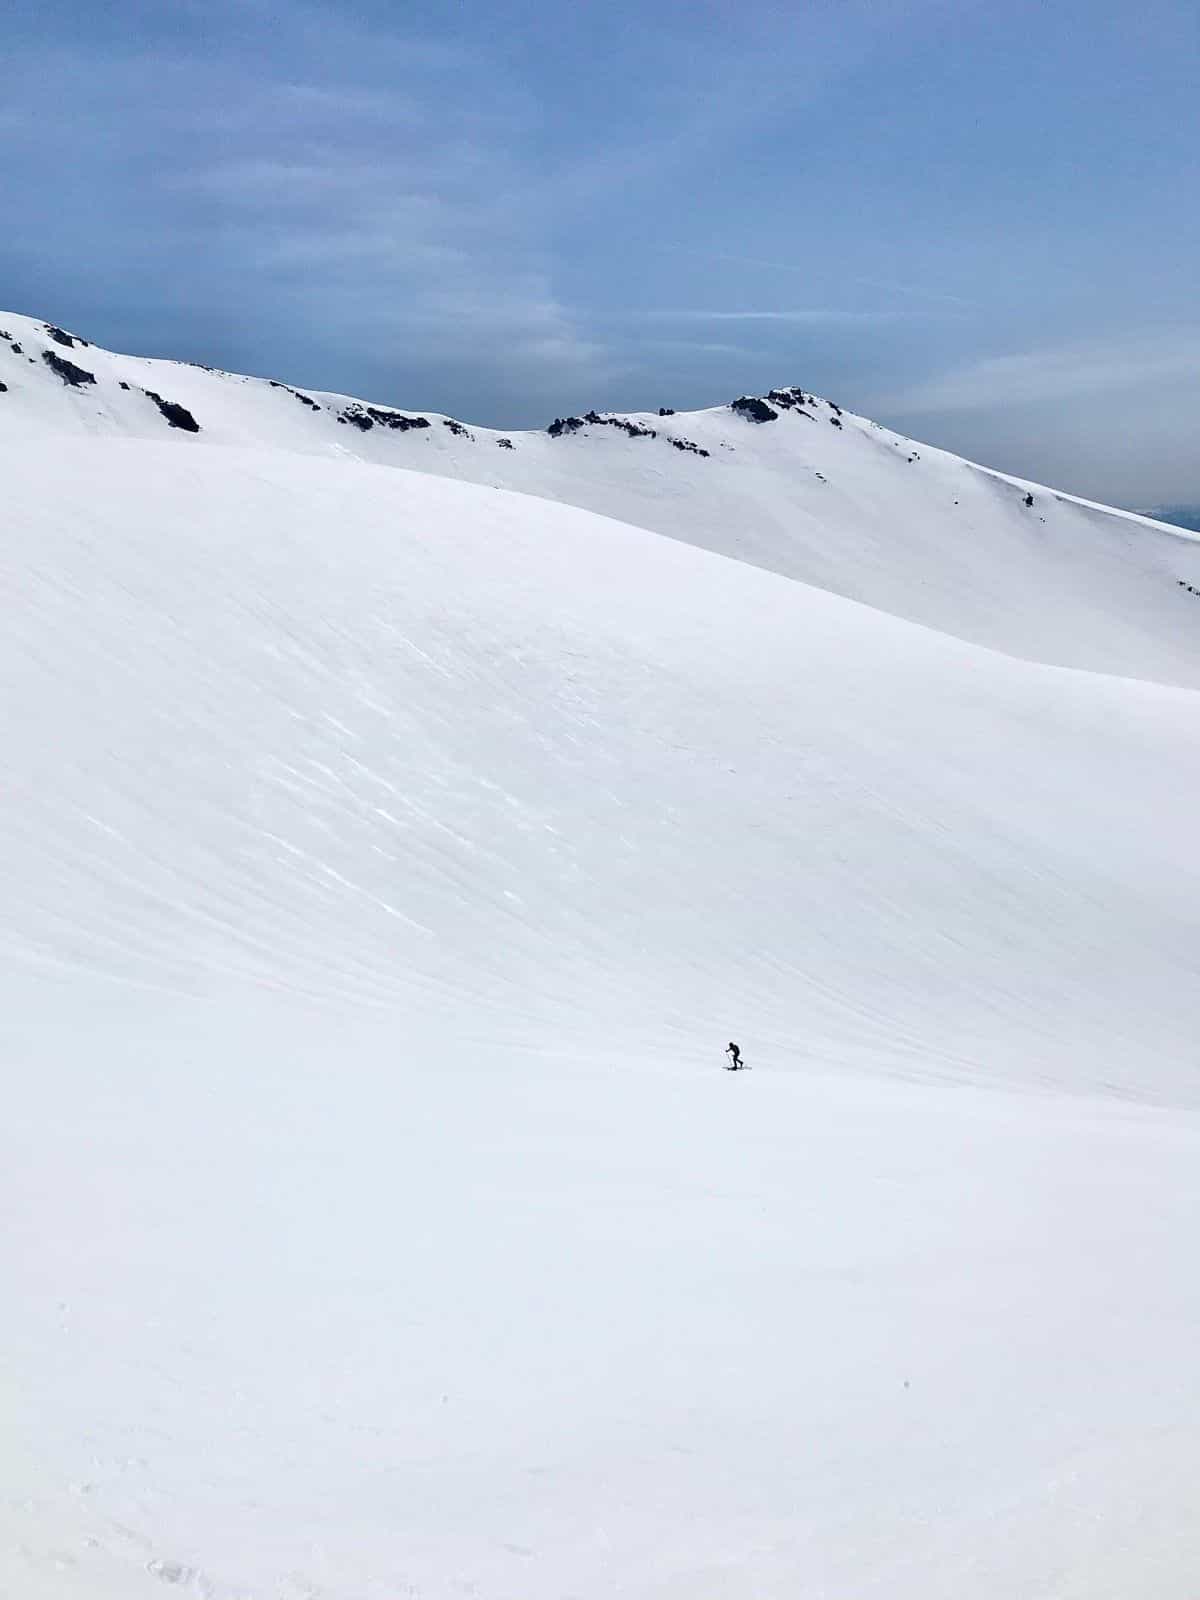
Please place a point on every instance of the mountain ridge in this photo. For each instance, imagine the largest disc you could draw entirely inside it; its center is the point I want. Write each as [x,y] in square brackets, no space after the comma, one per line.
[364,415]
[788,481]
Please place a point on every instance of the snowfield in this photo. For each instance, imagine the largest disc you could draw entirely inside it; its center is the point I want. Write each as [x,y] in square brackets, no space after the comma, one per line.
[387,860]
[816,494]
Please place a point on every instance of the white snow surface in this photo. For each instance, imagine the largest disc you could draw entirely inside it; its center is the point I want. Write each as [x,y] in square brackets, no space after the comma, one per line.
[386,860]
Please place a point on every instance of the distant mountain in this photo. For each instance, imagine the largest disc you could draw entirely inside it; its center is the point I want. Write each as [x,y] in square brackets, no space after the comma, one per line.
[786,481]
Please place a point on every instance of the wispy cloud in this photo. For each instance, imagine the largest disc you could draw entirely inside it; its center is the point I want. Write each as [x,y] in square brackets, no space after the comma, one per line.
[706,346]
[324,187]
[366,213]
[918,291]
[1054,374]
[912,291]
[817,316]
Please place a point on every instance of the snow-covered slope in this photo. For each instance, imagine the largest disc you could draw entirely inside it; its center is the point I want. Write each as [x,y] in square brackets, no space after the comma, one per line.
[812,492]
[385,737]
[386,861]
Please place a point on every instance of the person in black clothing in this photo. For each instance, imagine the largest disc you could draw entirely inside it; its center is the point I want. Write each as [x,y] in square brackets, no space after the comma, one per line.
[735,1056]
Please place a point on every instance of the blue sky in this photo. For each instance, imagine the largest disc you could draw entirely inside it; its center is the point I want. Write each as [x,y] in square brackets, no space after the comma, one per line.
[977,222]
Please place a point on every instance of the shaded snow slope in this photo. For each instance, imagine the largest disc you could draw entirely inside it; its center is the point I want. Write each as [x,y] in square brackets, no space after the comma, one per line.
[814,493]
[386,861]
[298,1311]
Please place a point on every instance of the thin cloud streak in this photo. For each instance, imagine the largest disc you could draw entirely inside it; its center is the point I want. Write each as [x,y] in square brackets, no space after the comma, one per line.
[436,255]
[707,346]
[815,316]
[1054,374]
[919,292]
[914,291]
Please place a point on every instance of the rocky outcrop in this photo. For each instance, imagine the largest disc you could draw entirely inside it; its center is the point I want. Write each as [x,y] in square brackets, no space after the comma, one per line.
[60,336]
[304,399]
[72,376]
[753,409]
[176,416]
[790,400]
[364,418]
[593,419]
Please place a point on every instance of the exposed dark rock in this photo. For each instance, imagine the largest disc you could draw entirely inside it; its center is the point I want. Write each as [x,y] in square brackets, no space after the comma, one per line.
[666,411]
[4,334]
[457,428]
[837,410]
[504,444]
[364,418]
[123,384]
[178,416]
[3,388]
[1028,499]
[67,340]
[633,429]
[822,477]
[305,400]
[835,422]
[753,409]
[74,377]
[686,444]
[593,419]
[16,349]
[788,400]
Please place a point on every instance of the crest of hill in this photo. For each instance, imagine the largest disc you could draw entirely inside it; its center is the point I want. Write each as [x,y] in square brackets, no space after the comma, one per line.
[786,481]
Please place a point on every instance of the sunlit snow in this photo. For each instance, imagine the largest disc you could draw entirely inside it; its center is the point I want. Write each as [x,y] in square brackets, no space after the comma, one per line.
[387,861]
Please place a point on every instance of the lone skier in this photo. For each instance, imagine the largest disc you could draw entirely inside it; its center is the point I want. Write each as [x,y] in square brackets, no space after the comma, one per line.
[735,1056]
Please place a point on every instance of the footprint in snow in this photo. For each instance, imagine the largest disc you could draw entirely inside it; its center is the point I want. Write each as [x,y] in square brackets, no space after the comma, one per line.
[183,1577]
